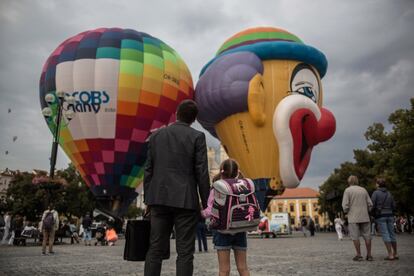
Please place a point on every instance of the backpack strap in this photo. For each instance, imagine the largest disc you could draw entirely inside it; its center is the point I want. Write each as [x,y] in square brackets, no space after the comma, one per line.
[250,184]
[253,190]
[223,187]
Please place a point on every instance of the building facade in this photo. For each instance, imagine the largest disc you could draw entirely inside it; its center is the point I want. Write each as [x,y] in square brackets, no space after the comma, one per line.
[299,203]
[6,177]
[215,157]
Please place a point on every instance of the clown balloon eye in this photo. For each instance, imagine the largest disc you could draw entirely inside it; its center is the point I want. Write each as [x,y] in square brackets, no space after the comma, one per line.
[306,91]
[305,81]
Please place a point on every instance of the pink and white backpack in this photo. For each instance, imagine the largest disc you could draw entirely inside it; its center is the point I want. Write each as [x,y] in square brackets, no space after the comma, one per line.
[235,207]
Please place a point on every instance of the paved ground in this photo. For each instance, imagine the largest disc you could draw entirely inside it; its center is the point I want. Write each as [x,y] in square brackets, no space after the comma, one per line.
[294,255]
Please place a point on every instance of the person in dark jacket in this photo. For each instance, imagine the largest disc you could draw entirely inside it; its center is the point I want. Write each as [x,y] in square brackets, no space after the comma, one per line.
[311,227]
[87,232]
[176,173]
[383,201]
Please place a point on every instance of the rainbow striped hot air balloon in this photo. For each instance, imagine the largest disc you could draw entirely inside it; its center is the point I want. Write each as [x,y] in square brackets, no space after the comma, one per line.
[261,95]
[126,84]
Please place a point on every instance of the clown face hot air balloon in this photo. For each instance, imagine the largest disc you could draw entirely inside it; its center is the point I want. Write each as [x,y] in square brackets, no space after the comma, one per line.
[262,97]
[125,84]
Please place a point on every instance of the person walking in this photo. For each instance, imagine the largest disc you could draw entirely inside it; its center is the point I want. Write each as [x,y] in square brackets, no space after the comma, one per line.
[338,227]
[384,206]
[304,225]
[175,175]
[357,204]
[311,227]
[48,225]
[87,231]
[7,227]
[73,232]
[17,226]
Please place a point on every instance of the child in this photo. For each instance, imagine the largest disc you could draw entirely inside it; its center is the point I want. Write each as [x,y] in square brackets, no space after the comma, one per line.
[111,236]
[225,242]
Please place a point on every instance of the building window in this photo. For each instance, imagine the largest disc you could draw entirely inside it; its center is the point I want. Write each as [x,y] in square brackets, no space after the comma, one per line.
[303,207]
[280,208]
[292,208]
[292,221]
[316,219]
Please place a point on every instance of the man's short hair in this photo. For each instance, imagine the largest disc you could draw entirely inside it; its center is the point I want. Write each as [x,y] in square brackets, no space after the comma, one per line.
[353,180]
[187,111]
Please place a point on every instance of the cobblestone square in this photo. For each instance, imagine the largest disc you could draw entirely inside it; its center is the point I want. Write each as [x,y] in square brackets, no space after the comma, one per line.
[293,255]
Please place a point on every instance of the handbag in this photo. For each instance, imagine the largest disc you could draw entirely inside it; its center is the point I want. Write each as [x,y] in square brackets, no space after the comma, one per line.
[137,240]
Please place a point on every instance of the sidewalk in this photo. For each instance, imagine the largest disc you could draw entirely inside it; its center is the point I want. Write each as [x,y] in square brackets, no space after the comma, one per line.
[293,255]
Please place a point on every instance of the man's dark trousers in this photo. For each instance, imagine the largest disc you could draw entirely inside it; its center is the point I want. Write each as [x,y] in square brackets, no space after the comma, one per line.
[163,218]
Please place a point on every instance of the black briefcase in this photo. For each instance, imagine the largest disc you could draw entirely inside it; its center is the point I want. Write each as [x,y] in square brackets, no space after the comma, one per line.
[137,238]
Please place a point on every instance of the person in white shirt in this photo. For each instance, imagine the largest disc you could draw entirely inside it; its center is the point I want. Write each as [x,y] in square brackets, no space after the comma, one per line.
[338,227]
[356,203]
[7,225]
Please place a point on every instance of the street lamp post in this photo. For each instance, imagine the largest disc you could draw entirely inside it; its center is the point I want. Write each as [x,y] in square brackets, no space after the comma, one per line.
[60,113]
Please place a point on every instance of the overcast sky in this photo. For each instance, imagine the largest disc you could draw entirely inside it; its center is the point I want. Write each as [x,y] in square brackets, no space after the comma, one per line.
[369,46]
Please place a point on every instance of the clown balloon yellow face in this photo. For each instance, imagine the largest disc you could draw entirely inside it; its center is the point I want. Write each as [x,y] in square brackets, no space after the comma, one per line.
[262,97]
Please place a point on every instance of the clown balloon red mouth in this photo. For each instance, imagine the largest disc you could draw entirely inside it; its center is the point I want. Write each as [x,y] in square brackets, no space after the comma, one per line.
[303,126]
[299,125]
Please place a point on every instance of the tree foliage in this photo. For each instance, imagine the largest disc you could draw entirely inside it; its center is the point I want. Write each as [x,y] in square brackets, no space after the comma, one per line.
[76,199]
[28,199]
[388,154]
[24,198]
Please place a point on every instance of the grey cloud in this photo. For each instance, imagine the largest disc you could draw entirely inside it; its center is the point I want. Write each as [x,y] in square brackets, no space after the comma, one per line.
[368,44]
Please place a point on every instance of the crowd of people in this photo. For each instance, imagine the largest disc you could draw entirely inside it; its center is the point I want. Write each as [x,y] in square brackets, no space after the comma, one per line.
[15,230]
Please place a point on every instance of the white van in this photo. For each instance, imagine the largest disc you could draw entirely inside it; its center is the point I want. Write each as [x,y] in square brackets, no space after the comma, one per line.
[280,223]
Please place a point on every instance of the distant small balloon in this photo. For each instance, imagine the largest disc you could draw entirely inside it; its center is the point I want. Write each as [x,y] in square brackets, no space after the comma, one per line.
[7,152]
[14,138]
[9,110]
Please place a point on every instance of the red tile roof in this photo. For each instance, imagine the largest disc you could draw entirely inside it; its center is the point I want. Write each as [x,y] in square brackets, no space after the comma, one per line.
[298,193]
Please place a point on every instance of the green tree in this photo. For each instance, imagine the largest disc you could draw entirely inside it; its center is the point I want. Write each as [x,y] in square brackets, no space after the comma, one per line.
[30,200]
[388,154]
[77,199]
[401,158]
[25,198]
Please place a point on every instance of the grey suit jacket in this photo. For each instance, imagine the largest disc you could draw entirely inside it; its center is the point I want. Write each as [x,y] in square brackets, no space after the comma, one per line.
[176,172]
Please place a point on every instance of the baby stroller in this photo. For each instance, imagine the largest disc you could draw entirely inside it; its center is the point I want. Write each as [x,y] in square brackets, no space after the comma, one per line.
[100,236]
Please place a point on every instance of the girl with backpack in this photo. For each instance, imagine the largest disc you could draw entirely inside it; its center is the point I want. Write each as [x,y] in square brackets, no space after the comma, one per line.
[233,210]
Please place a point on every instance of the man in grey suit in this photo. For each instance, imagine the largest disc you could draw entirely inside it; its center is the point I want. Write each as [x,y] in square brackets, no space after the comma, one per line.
[175,175]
